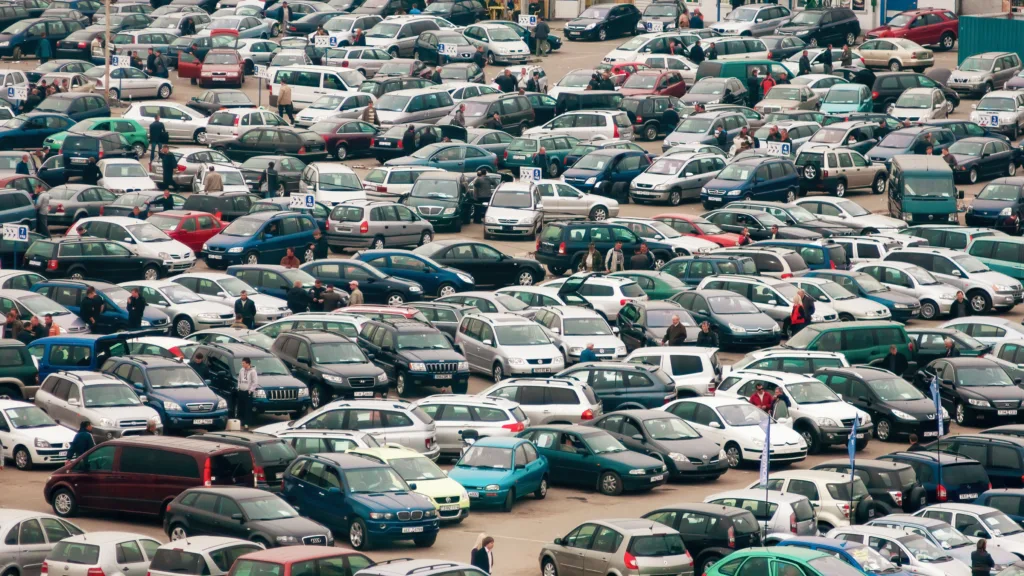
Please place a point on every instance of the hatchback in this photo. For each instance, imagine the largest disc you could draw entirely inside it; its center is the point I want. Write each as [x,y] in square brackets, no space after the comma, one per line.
[628,545]
[547,400]
[498,471]
[199,556]
[490,417]
[789,512]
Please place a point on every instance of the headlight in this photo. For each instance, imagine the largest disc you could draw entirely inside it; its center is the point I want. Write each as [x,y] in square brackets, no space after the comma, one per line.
[106,422]
[620,350]
[737,329]
[380,515]
[259,393]
[173,406]
[576,351]
[591,26]
[235,250]
[1002,287]
[265,310]
[490,220]
[205,247]
[907,216]
[636,472]
[303,392]
[209,316]
[945,413]
[558,360]
[733,193]
[429,513]
[776,328]
[449,211]
[463,367]
[417,366]
[952,217]
[382,377]
[492,487]
[591,181]
[704,191]
[465,278]
[803,33]
[758,443]
[335,379]
[163,255]
[222,404]
[678,457]
[722,455]
[947,296]
[415,289]
[826,421]
[517,361]
[901,306]
[974,402]
[40,443]
[902,415]
[1005,212]
[146,323]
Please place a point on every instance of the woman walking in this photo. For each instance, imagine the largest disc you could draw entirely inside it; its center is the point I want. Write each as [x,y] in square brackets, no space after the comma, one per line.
[482,557]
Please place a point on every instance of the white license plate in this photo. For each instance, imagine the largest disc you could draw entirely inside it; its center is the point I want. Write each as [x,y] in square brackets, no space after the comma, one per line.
[971,496]
[219,79]
[657,478]
[518,157]
[383,143]
[79,160]
[35,262]
[442,376]
[932,433]
[859,436]
[201,421]
[412,529]
[364,394]
[213,256]
[714,199]
[449,508]
[1007,412]
[474,494]
[542,370]
[62,453]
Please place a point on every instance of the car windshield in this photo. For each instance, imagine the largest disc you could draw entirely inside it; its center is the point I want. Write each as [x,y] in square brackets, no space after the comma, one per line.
[593,162]
[133,170]
[994,375]
[732,305]
[224,23]
[967,148]
[264,366]
[436,189]
[414,469]
[920,101]
[147,232]
[41,306]
[487,457]
[225,59]
[334,181]
[422,341]
[642,81]
[893,389]
[18,27]
[736,172]
[175,377]
[742,15]
[502,34]
[835,291]
[666,166]
[708,227]
[117,295]
[655,10]
[1001,192]
[603,443]
[521,335]
[922,276]
[976,64]
[109,396]
[806,18]
[267,508]
[384,30]
[512,199]
[327,102]
[595,13]
[923,549]
[1000,524]
[901,21]
[870,560]
[741,414]
[29,417]
[852,208]
[587,327]
[811,392]
[243,227]
[870,285]
[393,103]
[575,80]
[992,104]
[941,186]
[712,88]
[338,353]
[670,428]
[829,135]
[970,264]
[783,93]
[179,294]
[377,479]
[949,537]
[234,287]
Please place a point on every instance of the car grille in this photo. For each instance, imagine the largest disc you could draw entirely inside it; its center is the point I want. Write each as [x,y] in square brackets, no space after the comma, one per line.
[848,423]
[430,210]
[715,192]
[443,367]
[646,186]
[317,540]
[1004,404]
[770,109]
[199,407]
[541,361]
[282,393]
[215,249]
[703,460]
[406,515]
[830,317]
[131,423]
[361,382]
[959,80]
[508,221]
[76,329]
[604,351]
[448,500]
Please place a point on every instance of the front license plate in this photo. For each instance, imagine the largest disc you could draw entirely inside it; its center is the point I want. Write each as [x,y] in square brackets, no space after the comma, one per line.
[442,376]
[62,453]
[1007,412]
[201,421]
[449,508]
[474,494]
[412,529]
[213,256]
[657,478]
[971,496]
[383,143]
[364,394]
[219,79]
[931,433]
[714,199]
[542,370]
[859,436]
[506,229]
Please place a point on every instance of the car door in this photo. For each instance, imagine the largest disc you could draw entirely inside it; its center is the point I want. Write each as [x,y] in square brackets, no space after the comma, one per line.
[32,547]
[571,555]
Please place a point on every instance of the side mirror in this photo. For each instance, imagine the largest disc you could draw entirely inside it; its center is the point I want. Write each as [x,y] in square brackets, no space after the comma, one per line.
[773,302]
[615,330]
[540,206]
[208,382]
[582,452]
[222,294]
[558,541]
[895,559]
[638,437]
[556,330]
[74,402]
[238,517]
[302,360]
[948,382]
[974,106]
[139,385]
[716,425]
[956,273]
[370,356]
[143,398]
[488,342]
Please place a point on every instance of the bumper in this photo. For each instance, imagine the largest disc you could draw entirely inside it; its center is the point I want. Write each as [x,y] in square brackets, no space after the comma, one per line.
[178,266]
[103,434]
[221,260]
[925,429]
[453,512]
[710,200]
[512,58]
[265,406]
[1003,299]
[486,499]
[534,370]
[348,240]
[263,318]
[990,414]
[553,260]
[436,379]
[509,229]
[580,34]
[649,194]
[375,391]
[688,471]
[632,483]
[441,222]
[777,455]
[390,530]
[1003,223]
[829,435]
[967,89]
[216,420]
[751,338]
[905,314]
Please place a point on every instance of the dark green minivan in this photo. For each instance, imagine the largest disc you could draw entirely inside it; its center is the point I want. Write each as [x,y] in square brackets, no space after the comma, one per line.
[860,342]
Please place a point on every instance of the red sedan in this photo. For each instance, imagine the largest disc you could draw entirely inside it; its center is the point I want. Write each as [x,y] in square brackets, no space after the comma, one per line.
[667,82]
[346,137]
[190,228]
[222,66]
[699,227]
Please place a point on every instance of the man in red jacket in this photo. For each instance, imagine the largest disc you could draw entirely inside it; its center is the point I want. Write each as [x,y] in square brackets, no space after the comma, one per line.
[761,398]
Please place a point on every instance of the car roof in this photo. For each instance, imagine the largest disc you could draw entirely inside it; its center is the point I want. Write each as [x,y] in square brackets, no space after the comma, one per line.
[104,537]
[758,494]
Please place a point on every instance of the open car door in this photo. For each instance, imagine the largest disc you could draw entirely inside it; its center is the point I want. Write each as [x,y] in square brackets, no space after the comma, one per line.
[188,66]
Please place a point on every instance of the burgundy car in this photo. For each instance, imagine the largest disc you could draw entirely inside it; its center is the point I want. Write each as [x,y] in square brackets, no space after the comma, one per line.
[666,82]
[346,137]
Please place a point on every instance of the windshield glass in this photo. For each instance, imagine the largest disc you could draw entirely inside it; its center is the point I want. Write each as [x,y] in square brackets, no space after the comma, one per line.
[852,208]
[377,479]
[575,80]
[503,35]
[666,166]
[234,287]
[267,508]
[835,291]
[109,396]
[736,172]
[244,227]
[806,18]
[522,335]
[264,366]
[915,101]
[742,15]
[41,306]
[670,428]
[393,103]
[595,12]
[993,375]
[642,81]
[870,560]
[1000,524]
[811,392]
[179,294]
[413,469]
[732,305]
[891,389]
[422,341]
[436,189]
[1001,192]
[384,30]
[990,104]
[123,170]
[512,199]
[147,232]
[741,414]
[655,10]
[587,327]
[713,88]
[334,181]
[923,549]
[970,264]
[603,443]
[843,96]
[941,186]
[829,135]
[949,537]
[967,148]
[783,93]
[29,417]
[175,377]
[976,64]
[338,353]
[487,457]
[694,126]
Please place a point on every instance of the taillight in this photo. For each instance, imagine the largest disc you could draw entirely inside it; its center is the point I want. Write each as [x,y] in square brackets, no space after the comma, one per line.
[101,210]
[516,427]
[218,214]
[732,537]
[639,119]
[60,208]
[874,95]
[81,45]
[259,475]
[989,485]
[940,493]
[176,351]
[792,523]
[302,150]
[101,153]
[181,167]
[615,131]
[344,64]
[327,224]
[506,155]
[588,414]
[44,569]
[911,345]
[630,561]
[207,474]
[786,275]
[51,265]
[364,227]
[897,496]
[824,173]
[238,120]
[846,509]
[537,246]
[399,144]
[769,55]
[97,571]
[711,389]
[382,188]
[623,301]
[561,248]
[428,442]
[832,264]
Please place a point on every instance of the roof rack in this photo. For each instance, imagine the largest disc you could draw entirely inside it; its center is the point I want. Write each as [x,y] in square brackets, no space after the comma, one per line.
[429,567]
[393,560]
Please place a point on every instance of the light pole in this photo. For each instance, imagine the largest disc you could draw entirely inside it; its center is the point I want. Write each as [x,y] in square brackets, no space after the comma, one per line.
[106,52]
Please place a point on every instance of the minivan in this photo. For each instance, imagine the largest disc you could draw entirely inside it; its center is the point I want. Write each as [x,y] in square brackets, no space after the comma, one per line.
[740,49]
[263,238]
[742,69]
[587,100]
[398,36]
[861,342]
[817,254]
[311,82]
[1000,253]
[752,178]
[515,111]
[151,471]
[97,145]
[419,105]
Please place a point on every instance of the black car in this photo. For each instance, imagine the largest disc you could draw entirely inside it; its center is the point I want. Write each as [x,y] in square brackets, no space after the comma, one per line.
[282,393]
[79,149]
[77,45]
[603,21]
[70,15]
[651,115]
[562,245]
[226,206]
[896,407]
[377,287]
[966,129]
[210,101]
[782,47]
[758,223]
[310,22]
[734,318]
[982,158]
[669,438]
[892,485]
[245,513]
[12,252]
[270,454]
[445,316]
[1001,455]
[543,107]
[80,258]
[331,365]
[388,143]
[836,26]
[929,344]
[414,354]
[483,262]
[148,203]
[381,86]
[289,170]
[888,86]
[796,216]
[458,12]
[973,389]
[644,323]
[710,532]
[300,143]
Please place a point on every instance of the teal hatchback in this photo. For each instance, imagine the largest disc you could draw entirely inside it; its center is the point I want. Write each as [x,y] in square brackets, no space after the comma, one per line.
[846,98]
[522,152]
[498,471]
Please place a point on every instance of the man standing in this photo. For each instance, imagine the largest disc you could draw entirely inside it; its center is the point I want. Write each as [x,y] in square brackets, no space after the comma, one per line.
[157,136]
[317,297]
[213,182]
[767,84]
[482,192]
[775,232]
[480,60]
[298,299]
[949,158]
[22,167]
[533,84]
[826,59]
[284,102]
[541,32]
[436,76]
[168,163]
[136,309]
[894,361]
[606,82]
[43,49]
[785,139]
[615,260]
[697,20]
[427,138]
[369,115]
[804,67]
[332,299]
[960,308]
[753,88]
[51,328]
[676,333]
[151,65]
[588,354]
[460,116]
[91,308]
[721,138]
[846,58]
[166,201]
[248,382]
[355,294]
[199,364]
[82,442]
[761,398]
[697,53]
[409,140]
[246,308]
[42,211]
[541,160]
[706,337]
[712,52]
[506,82]
[289,260]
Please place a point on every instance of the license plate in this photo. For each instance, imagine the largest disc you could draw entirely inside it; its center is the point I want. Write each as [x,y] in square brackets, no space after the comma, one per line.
[859,436]
[62,453]
[931,433]
[35,262]
[219,79]
[201,421]
[412,529]
[442,376]
[449,508]
[213,256]
[714,199]
[474,494]
[1007,412]
[79,160]
[506,229]
[657,478]
[383,143]
[518,157]
[542,370]
[364,394]
[970,496]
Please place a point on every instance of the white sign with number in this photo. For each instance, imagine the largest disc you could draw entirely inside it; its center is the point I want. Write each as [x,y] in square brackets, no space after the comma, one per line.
[302,201]
[527,20]
[992,120]
[16,232]
[324,41]
[17,92]
[448,49]
[655,26]
[259,71]
[531,174]
[120,61]
[778,148]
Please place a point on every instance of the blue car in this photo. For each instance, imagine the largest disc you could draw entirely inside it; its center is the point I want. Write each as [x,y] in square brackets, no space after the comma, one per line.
[271,279]
[264,237]
[489,471]
[79,352]
[21,38]
[752,178]
[319,212]
[860,556]
[607,171]
[451,157]
[76,105]
[910,141]
[29,130]
[364,499]
[902,306]
[173,389]
[433,277]
[1006,500]
[70,293]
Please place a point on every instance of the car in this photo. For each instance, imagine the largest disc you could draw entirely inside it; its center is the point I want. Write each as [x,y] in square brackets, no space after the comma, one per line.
[901,306]
[435,278]
[521,152]
[335,107]
[453,157]
[498,344]
[607,295]
[69,294]
[214,554]
[187,310]
[481,260]
[548,400]
[857,135]
[997,206]
[71,258]
[32,129]
[846,211]
[772,296]
[29,436]
[896,54]
[798,217]
[490,417]
[132,131]
[907,547]
[849,305]
[696,371]
[944,536]
[210,101]
[22,37]
[893,485]
[979,446]
[925,26]
[734,319]
[949,236]
[977,521]
[271,455]
[987,330]
[935,297]
[443,199]
[144,239]
[983,157]
[985,72]
[754,179]
[752,20]
[321,441]
[790,512]
[297,143]
[991,398]
[984,288]
[587,124]
[280,392]
[378,287]
[264,237]
[414,354]
[225,289]
[191,229]
[835,26]
[930,344]
[617,536]
[839,499]
[673,178]
[110,404]
[182,123]
[649,386]
[229,335]
[1006,500]
[331,366]
[1000,112]
[501,44]
[500,470]
[846,98]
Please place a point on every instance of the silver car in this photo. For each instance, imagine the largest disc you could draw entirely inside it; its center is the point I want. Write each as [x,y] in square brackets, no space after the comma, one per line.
[563,201]
[936,296]
[226,289]
[321,441]
[753,20]
[206,555]
[234,122]
[182,123]
[985,289]
[191,158]
[395,227]
[983,73]
[417,105]
[29,304]
[772,296]
[565,401]
[109,552]
[573,328]
[398,36]
[188,312]
[110,405]
[134,84]
[789,509]
[849,306]
[610,553]
[501,44]
[366,60]
[29,537]
[490,417]
[786,97]
[818,63]
[500,344]
[673,178]
[341,28]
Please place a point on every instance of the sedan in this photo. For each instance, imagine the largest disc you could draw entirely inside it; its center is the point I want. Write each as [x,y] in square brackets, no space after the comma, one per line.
[455,46]
[345,138]
[563,201]
[999,205]
[191,228]
[221,66]
[845,211]
[600,22]
[334,106]
[461,72]
[366,60]
[210,101]
[667,82]
[736,320]
[977,390]
[377,287]
[818,83]
[691,225]
[243,26]
[132,83]
[896,54]
[657,285]
[983,158]
[30,130]
[188,311]
[297,143]
[788,97]
[74,81]
[79,66]
[483,262]
[452,157]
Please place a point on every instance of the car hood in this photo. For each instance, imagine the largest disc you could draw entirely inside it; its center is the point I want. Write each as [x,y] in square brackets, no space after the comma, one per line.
[70,322]
[778,103]
[479,477]
[688,243]
[351,370]
[837,410]
[699,447]
[583,173]
[689,138]
[760,321]
[126,412]
[391,501]
[701,98]
[991,205]
[997,393]
[911,112]
[993,277]
[632,459]
[55,434]
[878,221]
[404,160]
[965,160]
[433,355]
[637,91]
[835,107]
[225,241]
[511,213]
[792,28]
[276,427]
[185,394]
[204,307]
[922,407]
[881,32]
[438,488]
[280,381]
[298,526]
[600,342]
[413,201]
[794,233]
[896,297]
[266,301]
[654,179]
[860,305]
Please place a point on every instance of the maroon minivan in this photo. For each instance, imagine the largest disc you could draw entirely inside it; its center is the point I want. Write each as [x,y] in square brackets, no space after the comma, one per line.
[142,474]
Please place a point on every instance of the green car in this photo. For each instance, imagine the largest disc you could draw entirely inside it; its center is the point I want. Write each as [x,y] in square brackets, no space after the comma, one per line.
[130,129]
[443,199]
[657,285]
[781,561]
[522,152]
[592,458]
[1000,253]
[861,342]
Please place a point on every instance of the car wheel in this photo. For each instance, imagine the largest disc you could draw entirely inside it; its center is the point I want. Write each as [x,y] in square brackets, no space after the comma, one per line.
[490,59]
[65,504]
[547,568]
[139,149]
[151,273]
[275,30]
[395,299]
[851,39]
[165,92]
[675,198]
[510,500]
[316,396]
[895,66]
[972,176]
[357,535]
[883,430]
[947,41]
[17,54]
[949,107]
[498,373]
[252,258]
[378,243]
[556,270]
[846,318]
[113,94]
[650,131]
[733,455]
[446,289]
[598,213]
[393,52]
[425,541]
[840,190]
[929,311]
[824,527]
[400,385]
[76,275]
[526,278]
[553,169]
[341,152]
[178,532]
[960,413]
[426,238]
[542,490]
[22,459]
[878,186]
[610,484]
[1011,169]
[980,301]
[602,34]
[200,137]
[810,438]
[790,197]
[709,562]
[183,327]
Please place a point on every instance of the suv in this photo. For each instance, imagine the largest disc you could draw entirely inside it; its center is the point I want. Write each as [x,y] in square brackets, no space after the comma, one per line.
[644,324]
[155,469]
[892,485]
[866,248]
[769,261]
[226,206]
[889,86]
[270,454]
[962,479]
[836,170]
[998,454]
[790,361]
[982,73]
[20,379]
[77,258]
[950,235]
[606,294]
[414,354]
[331,365]
[861,342]
[829,494]
[114,409]
[692,269]
[515,111]
[278,393]
[264,237]
[372,505]
[984,288]
[199,556]
[79,149]
[176,392]
[500,344]
[549,401]
[490,417]
[836,26]
[573,328]
[376,225]
[753,20]
[709,531]
[675,178]
[622,386]
[925,26]
[562,245]
[773,297]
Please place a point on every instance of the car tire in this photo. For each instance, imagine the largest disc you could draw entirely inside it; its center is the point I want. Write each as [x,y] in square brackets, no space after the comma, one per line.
[895,66]
[610,484]
[602,34]
[200,137]
[426,238]
[1011,170]
[497,372]
[846,318]
[425,541]
[839,190]
[883,429]
[675,197]
[396,299]
[709,562]
[556,270]
[17,54]
[946,42]
[318,396]
[810,436]
[77,274]
[553,169]
[64,503]
[650,131]
[377,243]
[824,527]
[490,59]
[598,213]
[510,501]
[972,176]
[526,278]
[446,289]
[151,273]
[183,326]
[22,458]
[960,414]
[542,490]
[139,149]
[113,94]
[252,258]
[341,152]
[733,455]
[851,39]
[400,385]
[980,301]
[358,536]
[177,532]
[165,92]
[929,310]
[548,568]
[394,53]
[878,186]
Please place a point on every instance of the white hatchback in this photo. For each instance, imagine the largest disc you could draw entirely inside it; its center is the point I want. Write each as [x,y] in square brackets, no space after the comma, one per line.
[29,437]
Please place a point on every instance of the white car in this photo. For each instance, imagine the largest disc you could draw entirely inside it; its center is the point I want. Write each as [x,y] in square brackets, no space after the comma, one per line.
[632,49]
[345,324]
[914,552]
[662,233]
[936,297]
[848,305]
[307,441]
[574,81]
[390,183]
[735,425]
[207,555]
[334,106]
[122,175]
[829,493]
[695,371]
[225,289]
[844,210]
[1000,111]
[182,123]
[187,311]
[585,124]
[573,328]
[675,62]
[623,290]
[232,179]
[818,83]
[29,437]
[987,329]
[331,183]
[538,296]
[145,238]
[920,105]
[460,91]
[165,346]
[780,359]
[980,522]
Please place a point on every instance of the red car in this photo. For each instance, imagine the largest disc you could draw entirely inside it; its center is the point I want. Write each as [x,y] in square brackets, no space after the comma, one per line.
[190,228]
[925,26]
[621,71]
[665,82]
[346,137]
[222,66]
[696,226]
[286,560]
[22,182]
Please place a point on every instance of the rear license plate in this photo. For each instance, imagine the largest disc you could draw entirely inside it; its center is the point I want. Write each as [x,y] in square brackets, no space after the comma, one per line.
[412,529]
[1007,412]
[213,256]
[35,262]
[971,496]
[474,494]
[518,157]
[201,421]
[62,453]
[931,433]
[449,508]
[442,376]
[79,160]
[657,478]
[346,230]
[383,143]
[364,394]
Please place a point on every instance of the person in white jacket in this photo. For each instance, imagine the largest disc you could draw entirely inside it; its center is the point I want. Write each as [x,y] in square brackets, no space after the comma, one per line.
[248,382]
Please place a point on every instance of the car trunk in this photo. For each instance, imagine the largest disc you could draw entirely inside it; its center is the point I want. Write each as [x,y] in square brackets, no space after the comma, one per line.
[231,469]
[271,458]
[964,482]
[73,559]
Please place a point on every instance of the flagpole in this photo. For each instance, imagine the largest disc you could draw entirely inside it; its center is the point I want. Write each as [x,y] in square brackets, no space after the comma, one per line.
[937,399]
[852,449]
[765,464]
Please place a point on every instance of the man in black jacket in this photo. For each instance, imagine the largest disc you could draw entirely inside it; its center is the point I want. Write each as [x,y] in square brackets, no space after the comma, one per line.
[712,52]
[721,138]
[436,76]
[409,140]
[826,59]
[480,60]
[427,138]
[894,361]
[533,84]
[706,337]
[298,298]
[157,137]
[168,163]
[951,350]
[316,296]
[91,308]
[961,307]
[753,89]
[494,122]
[506,82]
[541,33]
[605,83]
[136,309]
[151,63]
[804,67]
[246,308]
[696,53]
[270,177]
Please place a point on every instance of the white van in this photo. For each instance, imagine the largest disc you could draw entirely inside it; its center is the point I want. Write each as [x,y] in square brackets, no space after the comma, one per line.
[311,82]
[331,183]
[739,48]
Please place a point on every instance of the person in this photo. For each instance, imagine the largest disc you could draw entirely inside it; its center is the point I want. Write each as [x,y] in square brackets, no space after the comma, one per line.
[269,176]
[540,160]
[779,397]
[745,238]
[960,307]
[785,139]
[506,82]
[188,27]
[286,15]
[482,556]
[162,70]
[42,210]
[697,53]
[767,84]
[316,295]
[494,122]
[846,58]
[773,134]
[712,52]
[137,213]
[22,167]
[706,336]
[193,50]
[721,137]
[213,182]
[480,59]
[676,333]
[588,354]
[43,49]
[882,130]
[761,398]
[238,323]
[358,38]
[826,59]
[91,308]
[894,361]
[949,158]
[355,294]
[150,429]
[807,301]
[157,135]
[595,81]
[332,299]
[743,141]
[922,145]
[34,98]
[951,350]
[915,443]
[783,78]
[427,138]
[460,116]
[246,310]
[753,88]
[606,82]
[51,328]
[699,108]
[284,102]
[591,261]
[798,316]
[39,330]
[409,139]
[200,365]
[297,298]
[136,309]
[615,260]
[533,84]
[168,164]
[645,260]
[166,201]
[248,382]
[321,32]
[97,44]
[541,33]
[290,260]
[151,62]
[804,67]
[775,232]
[697,20]
[436,76]
[13,326]
[684,19]
[981,560]
[82,442]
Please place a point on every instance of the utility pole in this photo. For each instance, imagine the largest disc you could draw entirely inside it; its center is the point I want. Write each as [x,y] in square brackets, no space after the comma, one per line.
[106,53]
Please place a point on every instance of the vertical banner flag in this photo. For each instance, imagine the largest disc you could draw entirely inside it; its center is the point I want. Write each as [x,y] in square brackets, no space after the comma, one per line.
[934,389]
[766,426]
